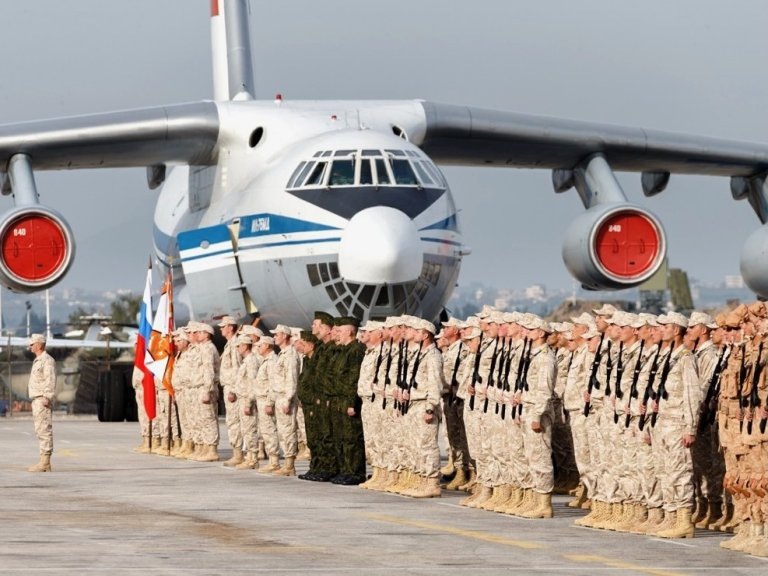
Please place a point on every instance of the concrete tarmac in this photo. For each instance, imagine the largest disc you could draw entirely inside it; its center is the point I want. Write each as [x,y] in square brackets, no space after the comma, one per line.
[107,510]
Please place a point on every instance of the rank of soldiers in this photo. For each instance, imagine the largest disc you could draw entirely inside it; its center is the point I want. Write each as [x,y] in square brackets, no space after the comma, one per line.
[655,424]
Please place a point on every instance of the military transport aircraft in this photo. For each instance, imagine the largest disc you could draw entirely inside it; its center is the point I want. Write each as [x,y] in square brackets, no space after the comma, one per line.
[293,206]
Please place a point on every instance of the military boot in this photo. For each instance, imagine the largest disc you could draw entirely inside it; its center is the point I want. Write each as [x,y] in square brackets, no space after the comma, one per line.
[654,517]
[761,549]
[449,469]
[249,463]
[515,497]
[612,518]
[542,506]
[163,447]
[758,539]
[640,519]
[430,488]
[397,477]
[176,447]
[505,493]
[474,495]
[526,503]
[237,458]
[713,513]
[388,481]
[627,518]
[459,479]
[261,450]
[579,497]
[187,447]
[725,516]
[493,501]
[683,527]
[415,486]
[485,494]
[154,445]
[741,534]
[142,448]
[667,523]
[375,475]
[210,453]
[288,469]
[274,465]
[702,507]
[596,514]
[197,449]
[753,537]
[470,483]
[44,465]
[304,453]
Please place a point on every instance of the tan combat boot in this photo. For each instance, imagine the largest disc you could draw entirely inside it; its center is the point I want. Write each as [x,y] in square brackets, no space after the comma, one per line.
[683,527]
[288,469]
[713,513]
[210,453]
[596,513]
[542,506]
[388,481]
[761,549]
[187,448]
[142,448]
[304,453]
[515,497]
[629,512]
[375,475]
[483,496]
[196,450]
[163,447]
[613,515]
[459,479]
[449,468]
[176,447]
[470,483]
[415,486]
[249,463]
[44,465]
[473,495]
[493,501]
[654,517]
[756,539]
[237,458]
[526,503]
[579,497]
[667,523]
[640,519]
[505,493]
[261,451]
[743,534]
[430,488]
[273,466]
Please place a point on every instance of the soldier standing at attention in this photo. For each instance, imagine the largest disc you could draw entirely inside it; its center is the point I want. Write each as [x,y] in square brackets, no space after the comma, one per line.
[230,363]
[346,405]
[207,380]
[284,385]
[42,384]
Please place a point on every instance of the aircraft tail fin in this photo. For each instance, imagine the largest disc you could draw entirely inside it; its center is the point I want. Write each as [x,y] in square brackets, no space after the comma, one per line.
[231,48]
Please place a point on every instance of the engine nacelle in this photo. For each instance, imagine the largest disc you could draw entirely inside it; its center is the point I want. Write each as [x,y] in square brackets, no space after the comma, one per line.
[614,246]
[36,248]
[754,261]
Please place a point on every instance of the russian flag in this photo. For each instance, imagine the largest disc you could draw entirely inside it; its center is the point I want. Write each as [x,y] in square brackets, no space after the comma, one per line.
[142,350]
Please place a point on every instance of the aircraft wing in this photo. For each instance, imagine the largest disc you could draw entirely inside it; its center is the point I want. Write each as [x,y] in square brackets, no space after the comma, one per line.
[469,136]
[181,133]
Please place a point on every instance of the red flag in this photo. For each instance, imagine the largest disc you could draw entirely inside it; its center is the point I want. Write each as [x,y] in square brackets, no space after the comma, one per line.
[142,343]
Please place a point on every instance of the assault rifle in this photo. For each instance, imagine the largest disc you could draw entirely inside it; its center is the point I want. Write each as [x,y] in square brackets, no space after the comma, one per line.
[489,383]
[402,371]
[649,389]
[708,408]
[633,389]
[661,391]
[619,376]
[739,388]
[524,375]
[412,383]
[476,378]
[594,383]
[454,376]
[378,366]
[608,369]
[500,372]
[506,387]
[387,379]
[754,400]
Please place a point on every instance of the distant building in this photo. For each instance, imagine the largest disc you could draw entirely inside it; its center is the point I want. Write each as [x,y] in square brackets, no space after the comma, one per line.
[734,282]
[537,292]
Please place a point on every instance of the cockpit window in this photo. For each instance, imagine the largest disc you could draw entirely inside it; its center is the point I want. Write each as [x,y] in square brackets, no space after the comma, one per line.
[403,173]
[342,173]
[368,167]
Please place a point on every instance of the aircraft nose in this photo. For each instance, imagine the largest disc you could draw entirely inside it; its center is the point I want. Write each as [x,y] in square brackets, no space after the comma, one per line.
[380,245]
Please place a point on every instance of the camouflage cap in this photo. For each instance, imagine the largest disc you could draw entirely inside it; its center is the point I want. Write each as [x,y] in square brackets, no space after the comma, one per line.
[470,333]
[36,339]
[227,321]
[673,318]
[605,310]
[266,340]
[243,339]
[281,329]
[701,318]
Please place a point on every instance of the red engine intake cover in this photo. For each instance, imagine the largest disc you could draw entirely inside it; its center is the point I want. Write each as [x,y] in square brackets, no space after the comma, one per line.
[34,247]
[627,244]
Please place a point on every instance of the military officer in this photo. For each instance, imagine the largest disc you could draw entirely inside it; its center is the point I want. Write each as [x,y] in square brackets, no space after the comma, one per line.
[42,385]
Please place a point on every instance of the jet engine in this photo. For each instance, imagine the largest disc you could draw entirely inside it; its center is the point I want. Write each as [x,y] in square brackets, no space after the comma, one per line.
[613,246]
[754,261]
[36,248]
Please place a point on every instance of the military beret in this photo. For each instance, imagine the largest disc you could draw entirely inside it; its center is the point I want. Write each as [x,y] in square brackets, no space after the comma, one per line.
[324,317]
[307,336]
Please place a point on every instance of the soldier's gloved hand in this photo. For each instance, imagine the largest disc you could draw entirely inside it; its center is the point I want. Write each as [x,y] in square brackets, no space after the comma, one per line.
[206,398]
[470,389]
[232,397]
[270,410]
[351,411]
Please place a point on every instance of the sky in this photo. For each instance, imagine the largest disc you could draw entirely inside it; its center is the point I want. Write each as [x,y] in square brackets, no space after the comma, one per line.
[692,66]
